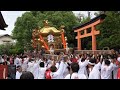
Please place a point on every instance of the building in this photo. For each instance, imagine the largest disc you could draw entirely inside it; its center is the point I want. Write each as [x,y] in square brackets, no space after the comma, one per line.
[6,39]
[3,25]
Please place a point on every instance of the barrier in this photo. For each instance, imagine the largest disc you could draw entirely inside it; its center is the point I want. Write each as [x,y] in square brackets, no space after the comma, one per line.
[94,51]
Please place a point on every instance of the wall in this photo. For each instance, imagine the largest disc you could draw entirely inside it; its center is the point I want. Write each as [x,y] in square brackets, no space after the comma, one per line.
[6,38]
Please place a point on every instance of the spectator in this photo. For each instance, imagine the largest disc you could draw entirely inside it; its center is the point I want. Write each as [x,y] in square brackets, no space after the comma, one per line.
[27,75]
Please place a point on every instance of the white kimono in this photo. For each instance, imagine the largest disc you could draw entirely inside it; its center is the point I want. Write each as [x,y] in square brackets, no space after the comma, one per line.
[48,64]
[57,65]
[59,73]
[106,71]
[65,70]
[95,73]
[83,69]
[41,73]
[76,76]
[17,62]
[18,74]
[115,70]
[30,66]
[24,64]
[36,69]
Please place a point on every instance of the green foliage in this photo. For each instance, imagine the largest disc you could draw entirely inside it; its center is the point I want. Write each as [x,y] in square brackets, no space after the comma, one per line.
[10,49]
[30,20]
[110,31]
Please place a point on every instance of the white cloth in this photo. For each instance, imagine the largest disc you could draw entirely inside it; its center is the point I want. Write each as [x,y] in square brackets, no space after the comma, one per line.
[57,65]
[24,64]
[35,69]
[18,74]
[65,70]
[20,61]
[95,73]
[59,73]
[76,76]
[41,73]
[106,71]
[50,38]
[118,59]
[30,66]
[2,60]
[83,69]
[115,70]
[17,62]
[48,64]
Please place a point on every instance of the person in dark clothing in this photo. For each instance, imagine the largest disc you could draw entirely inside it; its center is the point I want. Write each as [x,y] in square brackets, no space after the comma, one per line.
[27,75]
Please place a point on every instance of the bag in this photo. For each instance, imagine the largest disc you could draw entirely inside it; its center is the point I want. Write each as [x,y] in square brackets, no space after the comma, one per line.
[47,74]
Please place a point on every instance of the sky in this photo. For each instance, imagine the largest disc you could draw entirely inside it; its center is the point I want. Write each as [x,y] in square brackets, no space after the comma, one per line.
[10,18]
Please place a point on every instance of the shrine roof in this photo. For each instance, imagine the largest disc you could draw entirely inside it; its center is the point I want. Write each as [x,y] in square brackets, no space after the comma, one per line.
[102,16]
[2,22]
[49,29]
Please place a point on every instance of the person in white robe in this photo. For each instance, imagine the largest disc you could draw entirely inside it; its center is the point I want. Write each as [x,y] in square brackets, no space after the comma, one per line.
[35,69]
[19,72]
[30,66]
[83,63]
[2,59]
[57,73]
[17,61]
[115,70]
[115,67]
[25,64]
[94,68]
[66,65]
[41,71]
[65,70]
[106,69]
[74,72]
[94,71]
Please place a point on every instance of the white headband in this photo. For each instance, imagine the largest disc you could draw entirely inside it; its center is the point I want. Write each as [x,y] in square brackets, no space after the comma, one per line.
[118,59]
[91,63]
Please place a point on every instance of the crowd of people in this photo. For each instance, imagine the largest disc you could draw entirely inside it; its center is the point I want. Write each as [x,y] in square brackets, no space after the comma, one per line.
[65,66]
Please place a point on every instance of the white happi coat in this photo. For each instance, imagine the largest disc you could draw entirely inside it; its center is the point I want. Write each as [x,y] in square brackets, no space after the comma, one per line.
[36,69]
[41,72]
[48,64]
[30,66]
[115,70]
[17,62]
[57,65]
[95,73]
[25,64]
[75,76]
[59,73]
[83,69]
[18,74]
[65,70]
[106,71]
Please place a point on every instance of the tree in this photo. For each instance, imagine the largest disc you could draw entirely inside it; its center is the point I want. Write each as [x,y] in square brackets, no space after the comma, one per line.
[86,42]
[30,20]
[109,31]
[23,30]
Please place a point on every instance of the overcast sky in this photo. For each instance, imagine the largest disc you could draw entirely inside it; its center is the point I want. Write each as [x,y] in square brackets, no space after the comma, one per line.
[11,16]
